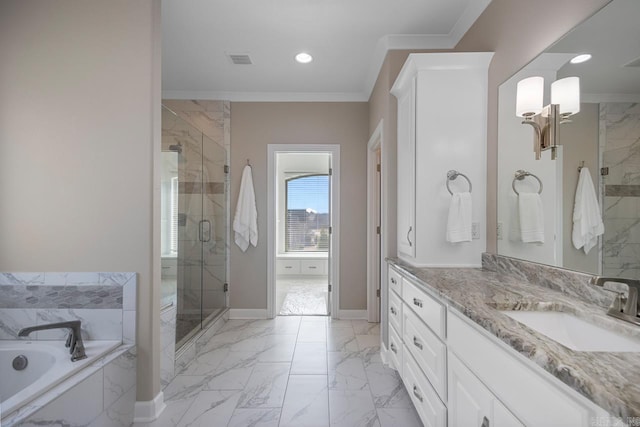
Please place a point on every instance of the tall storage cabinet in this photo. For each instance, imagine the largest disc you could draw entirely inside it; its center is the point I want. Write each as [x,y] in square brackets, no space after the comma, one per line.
[442,116]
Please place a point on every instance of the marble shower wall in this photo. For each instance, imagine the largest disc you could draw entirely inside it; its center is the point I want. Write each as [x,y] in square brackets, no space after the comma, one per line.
[620,152]
[104,302]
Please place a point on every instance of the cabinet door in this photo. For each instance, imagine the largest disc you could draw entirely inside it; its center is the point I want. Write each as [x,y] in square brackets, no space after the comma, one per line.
[406,172]
[471,404]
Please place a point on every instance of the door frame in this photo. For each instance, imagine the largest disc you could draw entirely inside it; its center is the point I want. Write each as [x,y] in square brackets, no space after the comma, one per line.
[334,262]
[375,215]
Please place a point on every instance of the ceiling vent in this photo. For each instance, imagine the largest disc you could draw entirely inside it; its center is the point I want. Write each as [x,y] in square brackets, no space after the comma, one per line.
[240,58]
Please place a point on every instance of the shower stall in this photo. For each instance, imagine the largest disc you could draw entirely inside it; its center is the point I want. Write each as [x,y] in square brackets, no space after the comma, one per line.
[194,200]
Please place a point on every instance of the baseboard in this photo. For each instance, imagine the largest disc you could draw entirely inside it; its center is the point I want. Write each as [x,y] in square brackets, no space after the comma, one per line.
[145,412]
[247,313]
[352,314]
[384,354]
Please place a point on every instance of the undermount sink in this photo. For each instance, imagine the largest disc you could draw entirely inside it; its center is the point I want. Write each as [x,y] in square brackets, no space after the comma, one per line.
[574,332]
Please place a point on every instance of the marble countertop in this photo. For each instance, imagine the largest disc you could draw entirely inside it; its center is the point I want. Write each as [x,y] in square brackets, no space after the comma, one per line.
[610,380]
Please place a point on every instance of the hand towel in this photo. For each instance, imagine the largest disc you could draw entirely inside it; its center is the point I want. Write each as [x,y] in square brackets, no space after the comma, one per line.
[459,219]
[587,221]
[245,222]
[531,215]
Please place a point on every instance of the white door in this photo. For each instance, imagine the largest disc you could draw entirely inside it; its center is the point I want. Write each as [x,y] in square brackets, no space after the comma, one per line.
[406,172]
[330,246]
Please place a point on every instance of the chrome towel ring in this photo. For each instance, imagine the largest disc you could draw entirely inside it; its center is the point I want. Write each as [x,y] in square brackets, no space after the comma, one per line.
[453,174]
[520,175]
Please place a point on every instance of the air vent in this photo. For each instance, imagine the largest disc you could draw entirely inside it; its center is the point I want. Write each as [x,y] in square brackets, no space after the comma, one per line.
[634,63]
[240,58]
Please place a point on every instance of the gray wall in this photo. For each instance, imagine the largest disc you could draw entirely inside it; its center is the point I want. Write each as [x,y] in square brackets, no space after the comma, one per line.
[79,129]
[254,125]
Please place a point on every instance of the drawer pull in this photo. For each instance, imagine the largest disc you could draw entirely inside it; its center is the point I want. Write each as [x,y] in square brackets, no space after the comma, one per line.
[288,266]
[393,311]
[417,343]
[313,267]
[417,302]
[408,239]
[393,280]
[393,348]
[417,394]
[485,422]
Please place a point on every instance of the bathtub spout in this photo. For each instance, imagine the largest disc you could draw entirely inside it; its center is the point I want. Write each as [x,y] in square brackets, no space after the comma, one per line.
[74,340]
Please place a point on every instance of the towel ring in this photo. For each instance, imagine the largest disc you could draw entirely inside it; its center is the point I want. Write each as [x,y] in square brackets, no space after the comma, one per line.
[520,175]
[453,174]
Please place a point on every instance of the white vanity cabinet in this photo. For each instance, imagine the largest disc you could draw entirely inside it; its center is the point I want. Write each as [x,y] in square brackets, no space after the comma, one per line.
[459,375]
[442,104]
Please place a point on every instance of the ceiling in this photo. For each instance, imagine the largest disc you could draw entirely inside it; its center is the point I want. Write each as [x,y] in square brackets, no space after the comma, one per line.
[347,38]
[612,36]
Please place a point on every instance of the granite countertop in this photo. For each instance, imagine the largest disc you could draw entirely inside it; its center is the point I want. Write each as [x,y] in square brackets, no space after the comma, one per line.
[610,380]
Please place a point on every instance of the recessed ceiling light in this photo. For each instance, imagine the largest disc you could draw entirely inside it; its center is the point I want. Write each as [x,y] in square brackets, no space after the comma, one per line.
[581,58]
[304,58]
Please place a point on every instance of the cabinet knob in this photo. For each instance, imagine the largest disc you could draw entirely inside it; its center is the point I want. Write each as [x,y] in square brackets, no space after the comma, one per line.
[417,302]
[416,393]
[485,422]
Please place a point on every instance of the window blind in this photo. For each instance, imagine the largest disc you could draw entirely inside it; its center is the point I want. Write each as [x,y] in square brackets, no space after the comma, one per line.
[307,219]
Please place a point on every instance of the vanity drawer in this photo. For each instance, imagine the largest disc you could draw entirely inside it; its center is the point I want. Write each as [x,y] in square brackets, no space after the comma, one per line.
[432,411]
[314,267]
[426,307]
[395,349]
[395,281]
[428,350]
[287,266]
[395,311]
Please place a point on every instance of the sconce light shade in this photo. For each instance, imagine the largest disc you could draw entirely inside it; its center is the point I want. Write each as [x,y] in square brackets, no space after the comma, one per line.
[566,93]
[529,96]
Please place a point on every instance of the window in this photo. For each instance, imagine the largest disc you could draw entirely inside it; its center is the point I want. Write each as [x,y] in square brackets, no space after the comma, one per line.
[307,220]
[169,205]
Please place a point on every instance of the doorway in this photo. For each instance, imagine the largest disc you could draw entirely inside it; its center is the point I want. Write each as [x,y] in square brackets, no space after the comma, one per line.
[303,201]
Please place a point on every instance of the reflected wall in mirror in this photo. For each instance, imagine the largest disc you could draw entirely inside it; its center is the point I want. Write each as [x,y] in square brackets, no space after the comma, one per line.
[603,137]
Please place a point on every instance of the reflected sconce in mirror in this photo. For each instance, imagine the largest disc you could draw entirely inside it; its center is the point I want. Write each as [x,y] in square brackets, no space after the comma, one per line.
[565,102]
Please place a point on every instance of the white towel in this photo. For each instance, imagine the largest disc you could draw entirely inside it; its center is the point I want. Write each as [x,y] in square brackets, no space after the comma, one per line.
[459,219]
[587,221]
[245,222]
[531,215]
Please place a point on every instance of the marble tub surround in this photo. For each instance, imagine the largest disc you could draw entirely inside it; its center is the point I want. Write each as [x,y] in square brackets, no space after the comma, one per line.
[104,302]
[610,380]
[110,380]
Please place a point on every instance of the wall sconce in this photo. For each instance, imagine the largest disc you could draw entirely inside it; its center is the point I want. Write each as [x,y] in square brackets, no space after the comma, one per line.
[565,102]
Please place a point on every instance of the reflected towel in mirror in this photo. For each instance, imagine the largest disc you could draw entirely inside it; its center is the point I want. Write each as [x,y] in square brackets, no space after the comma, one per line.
[587,221]
[531,216]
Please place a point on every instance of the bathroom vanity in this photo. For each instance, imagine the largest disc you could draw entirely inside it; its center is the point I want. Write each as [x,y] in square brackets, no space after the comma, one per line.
[466,362]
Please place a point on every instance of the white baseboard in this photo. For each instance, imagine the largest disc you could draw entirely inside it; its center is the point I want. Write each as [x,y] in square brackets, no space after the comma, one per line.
[352,314]
[247,313]
[145,412]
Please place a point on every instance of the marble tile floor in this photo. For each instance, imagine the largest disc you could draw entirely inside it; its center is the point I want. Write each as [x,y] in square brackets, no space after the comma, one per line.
[289,371]
[302,295]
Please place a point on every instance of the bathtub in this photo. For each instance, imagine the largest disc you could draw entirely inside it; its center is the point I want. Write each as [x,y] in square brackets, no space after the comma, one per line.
[49,363]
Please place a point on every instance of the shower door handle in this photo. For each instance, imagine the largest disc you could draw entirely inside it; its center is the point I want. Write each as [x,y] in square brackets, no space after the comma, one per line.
[205,231]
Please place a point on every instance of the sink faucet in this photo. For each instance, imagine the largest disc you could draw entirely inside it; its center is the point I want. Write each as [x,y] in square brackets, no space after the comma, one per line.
[629,311]
[74,340]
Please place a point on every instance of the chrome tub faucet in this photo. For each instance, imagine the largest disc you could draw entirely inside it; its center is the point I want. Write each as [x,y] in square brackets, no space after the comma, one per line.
[74,339]
[624,308]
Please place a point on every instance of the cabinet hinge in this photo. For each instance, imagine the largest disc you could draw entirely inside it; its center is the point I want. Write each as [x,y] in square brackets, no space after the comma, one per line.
[330,171]
[226,287]
[330,230]
[329,288]
[378,167]
[604,171]
[378,230]
[226,168]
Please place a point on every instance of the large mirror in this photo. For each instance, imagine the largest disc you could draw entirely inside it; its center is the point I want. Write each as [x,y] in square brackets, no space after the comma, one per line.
[603,137]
